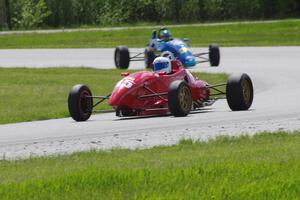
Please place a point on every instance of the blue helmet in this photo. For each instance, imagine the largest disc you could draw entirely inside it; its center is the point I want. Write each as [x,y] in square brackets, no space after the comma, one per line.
[165,35]
[162,64]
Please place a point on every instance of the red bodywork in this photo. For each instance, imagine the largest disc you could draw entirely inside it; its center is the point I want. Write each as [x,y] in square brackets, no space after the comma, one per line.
[145,93]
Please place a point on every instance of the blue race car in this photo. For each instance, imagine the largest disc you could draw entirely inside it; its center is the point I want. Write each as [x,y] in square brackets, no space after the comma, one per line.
[162,42]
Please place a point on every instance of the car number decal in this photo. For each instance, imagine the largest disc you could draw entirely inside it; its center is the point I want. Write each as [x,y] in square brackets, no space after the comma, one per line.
[128,82]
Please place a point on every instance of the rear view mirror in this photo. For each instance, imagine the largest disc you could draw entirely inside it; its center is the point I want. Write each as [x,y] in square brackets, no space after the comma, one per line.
[124,74]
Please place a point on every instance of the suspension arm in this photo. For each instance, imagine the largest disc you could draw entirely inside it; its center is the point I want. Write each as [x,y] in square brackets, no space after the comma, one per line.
[154,94]
[137,57]
[101,99]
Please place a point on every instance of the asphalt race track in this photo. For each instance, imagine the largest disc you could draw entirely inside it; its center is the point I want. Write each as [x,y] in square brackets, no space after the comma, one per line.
[275,73]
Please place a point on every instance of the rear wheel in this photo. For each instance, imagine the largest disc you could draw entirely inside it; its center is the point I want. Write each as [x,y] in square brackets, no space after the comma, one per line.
[122,57]
[149,57]
[214,55]
[239,92]
[80,103]
[179,98]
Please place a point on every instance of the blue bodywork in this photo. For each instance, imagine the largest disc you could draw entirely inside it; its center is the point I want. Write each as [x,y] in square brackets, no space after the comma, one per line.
[176,46]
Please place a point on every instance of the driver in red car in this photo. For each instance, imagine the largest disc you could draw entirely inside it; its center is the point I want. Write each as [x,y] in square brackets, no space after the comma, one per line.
[162,65]
[166,63]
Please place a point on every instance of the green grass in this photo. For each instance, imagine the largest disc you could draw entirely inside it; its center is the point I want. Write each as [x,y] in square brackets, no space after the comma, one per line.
[266,166]
[262,34]
[37,94]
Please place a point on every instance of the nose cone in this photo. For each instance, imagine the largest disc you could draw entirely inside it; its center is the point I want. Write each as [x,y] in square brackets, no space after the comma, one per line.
[122,92]
[190,61]
[115,98]
[126,90]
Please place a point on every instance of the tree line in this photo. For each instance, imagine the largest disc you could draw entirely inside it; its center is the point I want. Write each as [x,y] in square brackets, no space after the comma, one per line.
[27,14]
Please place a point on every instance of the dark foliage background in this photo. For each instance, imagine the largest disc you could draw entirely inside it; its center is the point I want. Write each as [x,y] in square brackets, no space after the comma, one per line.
[72,13]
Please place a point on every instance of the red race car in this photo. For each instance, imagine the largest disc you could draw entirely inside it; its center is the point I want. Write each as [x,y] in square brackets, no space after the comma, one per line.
[170,88]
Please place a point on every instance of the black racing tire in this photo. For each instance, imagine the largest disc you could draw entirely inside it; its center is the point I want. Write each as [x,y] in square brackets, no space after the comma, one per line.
[179,98]
[149,57]
[122,57]
[239,92]
[214,55]
[80,107]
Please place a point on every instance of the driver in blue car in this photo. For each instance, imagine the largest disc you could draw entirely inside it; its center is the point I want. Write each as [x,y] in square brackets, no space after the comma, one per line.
[162,34]
[165,35]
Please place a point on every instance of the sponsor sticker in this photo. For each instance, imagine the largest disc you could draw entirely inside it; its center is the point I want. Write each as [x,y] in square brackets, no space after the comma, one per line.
[183,50]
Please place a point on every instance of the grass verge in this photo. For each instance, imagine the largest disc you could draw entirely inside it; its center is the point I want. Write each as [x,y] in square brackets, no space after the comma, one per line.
[282,33]
[37,94]
[263,167]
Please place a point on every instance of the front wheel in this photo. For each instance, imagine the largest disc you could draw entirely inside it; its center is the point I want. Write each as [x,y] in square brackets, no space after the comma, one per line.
[239,92]
[214,55]
[122,57]
[80,103]
[179,98]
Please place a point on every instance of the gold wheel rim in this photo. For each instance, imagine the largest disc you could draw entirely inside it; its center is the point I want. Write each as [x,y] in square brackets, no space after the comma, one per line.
[85,102]
[185,98]
[246,91]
